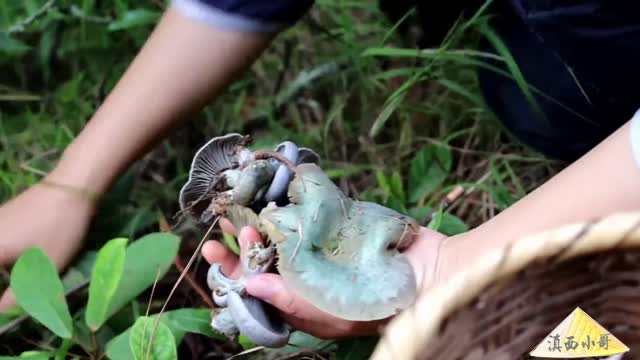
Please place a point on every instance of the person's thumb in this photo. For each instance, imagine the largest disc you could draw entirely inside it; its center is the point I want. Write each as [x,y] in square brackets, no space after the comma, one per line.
[271,288]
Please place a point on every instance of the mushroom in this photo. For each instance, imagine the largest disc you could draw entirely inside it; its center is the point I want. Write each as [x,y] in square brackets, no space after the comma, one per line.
[225,171]
[342,255]
[257,321]
[209,164]
[242,313]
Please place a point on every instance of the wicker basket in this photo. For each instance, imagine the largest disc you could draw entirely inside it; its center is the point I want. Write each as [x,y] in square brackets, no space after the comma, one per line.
[507,302]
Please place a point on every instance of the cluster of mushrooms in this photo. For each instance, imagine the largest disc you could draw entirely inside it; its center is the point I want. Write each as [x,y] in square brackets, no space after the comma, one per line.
[342,255]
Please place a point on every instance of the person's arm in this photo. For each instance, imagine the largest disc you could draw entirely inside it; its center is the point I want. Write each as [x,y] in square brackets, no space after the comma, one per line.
[604,181]
[182,66]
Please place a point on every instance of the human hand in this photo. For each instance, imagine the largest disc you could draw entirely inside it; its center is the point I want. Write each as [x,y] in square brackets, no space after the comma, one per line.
[45,216]
[295,310]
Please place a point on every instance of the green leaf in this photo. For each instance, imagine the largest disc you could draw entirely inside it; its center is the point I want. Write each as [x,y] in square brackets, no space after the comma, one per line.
[393,189]
[429,168]
[179,321]
[388,110]
[38,290]
[63,349]
[500,193]
[245,342]
[162,342]
[435,222]
[383,182]
[397,189]
[145,259]
[452,225]
[134,18]
[105,278]
[12,47]
[196,321]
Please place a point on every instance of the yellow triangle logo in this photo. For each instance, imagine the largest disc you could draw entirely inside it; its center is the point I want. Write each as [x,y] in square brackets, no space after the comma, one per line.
[578,336]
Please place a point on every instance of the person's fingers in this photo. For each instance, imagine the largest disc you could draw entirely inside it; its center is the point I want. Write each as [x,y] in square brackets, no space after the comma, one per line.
[424,256]
[7,301]
[215,252]
[247,236]
[272,289]
[228,227]
[304,316]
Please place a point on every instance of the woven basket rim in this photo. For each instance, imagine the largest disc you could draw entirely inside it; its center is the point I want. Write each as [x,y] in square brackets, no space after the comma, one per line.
[410,331]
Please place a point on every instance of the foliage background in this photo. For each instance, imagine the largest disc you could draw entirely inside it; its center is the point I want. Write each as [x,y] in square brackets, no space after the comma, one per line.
[394,125]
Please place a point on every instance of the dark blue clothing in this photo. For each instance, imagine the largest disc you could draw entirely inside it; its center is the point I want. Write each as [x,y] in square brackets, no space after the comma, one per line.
[583,54]
[558,45]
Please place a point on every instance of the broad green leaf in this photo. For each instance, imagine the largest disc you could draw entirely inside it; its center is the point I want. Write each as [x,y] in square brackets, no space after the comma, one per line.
[38,290]
[145,259]
[420,213]
[11,314]
[5,319]
[245,342]
[179,321]
[452,225]
[135,18]
[429,168]
[105,278]
[436,221]
[160,345]
[188,320]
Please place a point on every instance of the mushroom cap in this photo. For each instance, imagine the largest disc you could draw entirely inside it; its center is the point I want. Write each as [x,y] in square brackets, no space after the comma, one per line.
[210,161]
[339,254]
[257,321]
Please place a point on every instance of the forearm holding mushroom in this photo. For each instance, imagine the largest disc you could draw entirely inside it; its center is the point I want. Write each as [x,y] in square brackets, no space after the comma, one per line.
[183,65]
[604,181]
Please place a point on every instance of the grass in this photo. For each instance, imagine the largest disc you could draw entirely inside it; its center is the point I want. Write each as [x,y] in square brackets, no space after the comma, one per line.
[379,112]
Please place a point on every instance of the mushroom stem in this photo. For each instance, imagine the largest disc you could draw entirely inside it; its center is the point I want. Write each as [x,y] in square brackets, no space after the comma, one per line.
[264,154]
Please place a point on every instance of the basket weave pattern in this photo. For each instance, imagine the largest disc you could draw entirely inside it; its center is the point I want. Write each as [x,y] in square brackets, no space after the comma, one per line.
[507,302]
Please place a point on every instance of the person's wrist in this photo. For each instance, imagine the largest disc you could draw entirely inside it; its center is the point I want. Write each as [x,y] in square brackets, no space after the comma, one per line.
[82,168]
[455,252]
[75,181]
